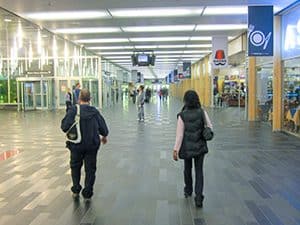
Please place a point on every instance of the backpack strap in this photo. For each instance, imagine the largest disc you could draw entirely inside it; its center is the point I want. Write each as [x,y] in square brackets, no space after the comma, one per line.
[77,117]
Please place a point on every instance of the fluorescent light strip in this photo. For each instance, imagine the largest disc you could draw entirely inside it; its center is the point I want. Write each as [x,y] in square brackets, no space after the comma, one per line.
[153,39]
[156,12]
[121,60]
[171,46]
[209,27]
[67,15]
[168,52]
[115,53]
[103,40]
[200,46]
[168,28]
[196,51]
[225,10]
[146,46]
[118,57]
[166,60]
[87,30]
[168,56]
[109,47]
[201,38]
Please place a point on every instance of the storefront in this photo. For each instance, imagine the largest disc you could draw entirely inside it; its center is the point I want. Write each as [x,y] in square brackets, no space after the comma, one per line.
[291,70]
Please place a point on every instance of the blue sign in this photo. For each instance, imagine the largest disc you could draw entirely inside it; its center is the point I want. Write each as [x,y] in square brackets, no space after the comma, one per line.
[291,34]
[260,30]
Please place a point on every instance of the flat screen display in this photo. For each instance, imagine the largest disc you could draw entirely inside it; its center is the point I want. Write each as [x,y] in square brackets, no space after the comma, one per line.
[143,59]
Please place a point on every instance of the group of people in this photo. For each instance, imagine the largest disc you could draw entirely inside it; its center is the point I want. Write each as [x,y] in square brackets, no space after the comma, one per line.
[191,122]
[72,98]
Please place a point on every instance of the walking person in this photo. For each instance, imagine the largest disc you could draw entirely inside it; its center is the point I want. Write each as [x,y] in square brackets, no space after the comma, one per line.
[76,93]
[140,103]
[93,130]
[190,144]
[68,99]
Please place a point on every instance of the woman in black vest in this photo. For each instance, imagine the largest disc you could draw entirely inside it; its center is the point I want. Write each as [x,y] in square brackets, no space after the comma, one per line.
[190,143]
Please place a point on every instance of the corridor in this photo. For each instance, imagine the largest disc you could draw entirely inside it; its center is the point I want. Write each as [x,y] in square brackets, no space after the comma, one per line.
[252,176]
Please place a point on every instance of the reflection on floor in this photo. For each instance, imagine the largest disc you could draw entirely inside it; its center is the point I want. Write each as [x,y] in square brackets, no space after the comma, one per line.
[252,176]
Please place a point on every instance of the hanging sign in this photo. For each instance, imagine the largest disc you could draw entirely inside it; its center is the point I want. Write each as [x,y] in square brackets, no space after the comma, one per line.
[260,30]
[220,52]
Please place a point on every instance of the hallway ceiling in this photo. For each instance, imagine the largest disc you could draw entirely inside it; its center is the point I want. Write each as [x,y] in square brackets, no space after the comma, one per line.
[177,30]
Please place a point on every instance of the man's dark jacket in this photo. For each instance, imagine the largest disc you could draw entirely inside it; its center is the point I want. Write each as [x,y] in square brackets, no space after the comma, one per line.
[92,124]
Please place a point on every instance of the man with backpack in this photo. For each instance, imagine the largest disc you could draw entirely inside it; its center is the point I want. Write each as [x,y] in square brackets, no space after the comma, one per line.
[93,130]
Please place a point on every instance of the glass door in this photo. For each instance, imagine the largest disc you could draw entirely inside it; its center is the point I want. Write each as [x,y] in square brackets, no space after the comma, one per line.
[29,101]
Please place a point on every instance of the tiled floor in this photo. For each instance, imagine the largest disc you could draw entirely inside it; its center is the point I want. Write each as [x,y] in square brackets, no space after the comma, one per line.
[252,176]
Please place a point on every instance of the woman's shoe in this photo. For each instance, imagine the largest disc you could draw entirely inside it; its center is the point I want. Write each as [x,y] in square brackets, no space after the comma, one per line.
[199,201]
[186,195]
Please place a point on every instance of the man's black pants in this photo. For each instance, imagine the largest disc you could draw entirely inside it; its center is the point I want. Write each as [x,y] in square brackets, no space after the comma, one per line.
[188,180]
[89,158]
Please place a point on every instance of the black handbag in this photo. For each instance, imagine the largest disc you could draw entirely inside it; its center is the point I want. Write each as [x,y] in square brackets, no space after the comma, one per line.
[207,133]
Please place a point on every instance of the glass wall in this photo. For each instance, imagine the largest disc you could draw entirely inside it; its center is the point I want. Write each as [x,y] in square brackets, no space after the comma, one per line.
[291,103]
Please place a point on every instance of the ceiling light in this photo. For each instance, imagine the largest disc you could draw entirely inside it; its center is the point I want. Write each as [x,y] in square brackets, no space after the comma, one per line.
[103,40]
[87,30]
[156,12]
[117,57]
[179,28]
[225,10]
[171,46]
[168,56]
[166,60]
[200,46]
[196,51]
[201,38]
[150,39]
[121,60]
[145,46]
[109,47]
[221,27]
[7,20]
[69,15]
[168,52]
[115,53]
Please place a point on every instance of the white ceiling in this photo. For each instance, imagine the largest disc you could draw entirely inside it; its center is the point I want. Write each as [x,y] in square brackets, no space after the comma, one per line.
[128,31]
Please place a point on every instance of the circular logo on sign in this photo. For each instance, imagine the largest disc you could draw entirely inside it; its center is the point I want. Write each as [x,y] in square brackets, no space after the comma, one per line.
[257,38]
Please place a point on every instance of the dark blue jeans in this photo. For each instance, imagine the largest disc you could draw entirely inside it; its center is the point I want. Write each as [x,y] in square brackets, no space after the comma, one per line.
[87,157]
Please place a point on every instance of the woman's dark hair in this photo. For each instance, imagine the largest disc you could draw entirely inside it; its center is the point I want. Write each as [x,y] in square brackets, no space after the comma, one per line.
[191,100]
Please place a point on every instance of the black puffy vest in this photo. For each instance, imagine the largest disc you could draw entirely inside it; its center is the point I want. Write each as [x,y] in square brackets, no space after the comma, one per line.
[193,144]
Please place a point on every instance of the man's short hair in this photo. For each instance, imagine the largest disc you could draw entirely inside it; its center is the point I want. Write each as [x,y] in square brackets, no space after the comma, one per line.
[85,95]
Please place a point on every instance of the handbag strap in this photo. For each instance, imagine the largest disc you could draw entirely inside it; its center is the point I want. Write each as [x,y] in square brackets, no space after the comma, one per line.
[77,117]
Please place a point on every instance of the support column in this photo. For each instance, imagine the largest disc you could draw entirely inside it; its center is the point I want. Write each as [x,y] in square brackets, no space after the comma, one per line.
[252,103]
[277,77]
[100,83]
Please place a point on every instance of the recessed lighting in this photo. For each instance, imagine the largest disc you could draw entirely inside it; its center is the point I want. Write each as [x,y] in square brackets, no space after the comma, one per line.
[156,12]
[88,30]
[221,27]
[179,28]
[153,39]
[225,10]
[67,15]
[103,40]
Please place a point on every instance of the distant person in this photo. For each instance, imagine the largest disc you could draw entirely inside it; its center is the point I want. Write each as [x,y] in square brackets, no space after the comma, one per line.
[68,99]
[148,95]
[190,144]
[92,125]
[140,103]
[76,93]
